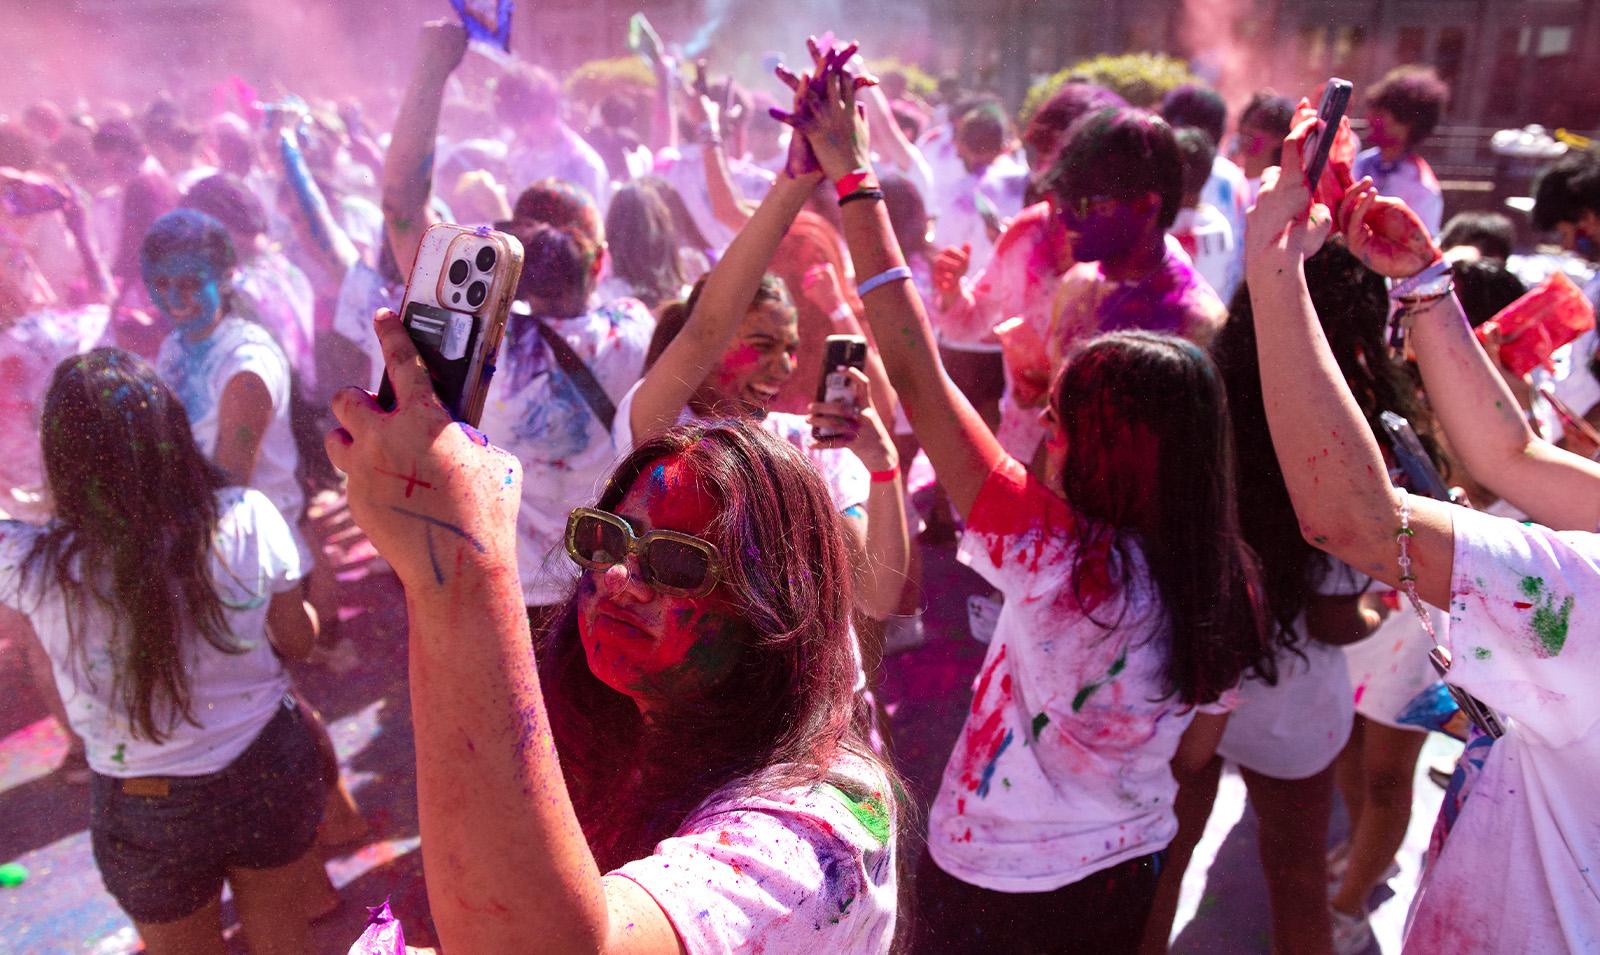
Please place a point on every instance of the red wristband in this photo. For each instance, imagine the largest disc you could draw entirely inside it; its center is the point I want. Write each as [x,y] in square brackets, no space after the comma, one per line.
[854,180]
[884,477]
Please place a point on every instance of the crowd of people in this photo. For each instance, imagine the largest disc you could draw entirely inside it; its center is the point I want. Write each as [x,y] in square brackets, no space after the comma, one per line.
[651,596]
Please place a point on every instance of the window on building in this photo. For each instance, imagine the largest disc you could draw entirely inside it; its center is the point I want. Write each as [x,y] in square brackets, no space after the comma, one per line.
[1413,41]
[1449,53]
[1554,41]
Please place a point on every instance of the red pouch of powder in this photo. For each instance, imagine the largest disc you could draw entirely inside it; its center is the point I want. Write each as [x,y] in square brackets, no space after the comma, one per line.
[1550,315]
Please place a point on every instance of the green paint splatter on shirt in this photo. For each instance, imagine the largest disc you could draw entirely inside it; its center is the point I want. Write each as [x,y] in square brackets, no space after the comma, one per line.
[1111,674]
[869,810]
[1550,625]
[1482,653]
[1531,586]
[1039,723]
[120,757]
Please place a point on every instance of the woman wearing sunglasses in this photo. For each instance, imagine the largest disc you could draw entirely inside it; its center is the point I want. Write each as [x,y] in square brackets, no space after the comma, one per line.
[714,791]
[1127,621]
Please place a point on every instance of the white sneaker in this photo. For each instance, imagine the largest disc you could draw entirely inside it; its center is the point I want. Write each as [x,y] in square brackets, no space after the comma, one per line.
[1352,934]
[1339,861]
[982,614]
[902,633]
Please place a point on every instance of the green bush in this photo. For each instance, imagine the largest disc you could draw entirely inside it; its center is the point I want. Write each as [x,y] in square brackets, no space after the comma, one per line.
[919,81]
[1140,78]
[628,75]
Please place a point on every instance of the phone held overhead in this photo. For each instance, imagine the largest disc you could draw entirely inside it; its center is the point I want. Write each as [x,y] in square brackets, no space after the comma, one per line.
[457,300]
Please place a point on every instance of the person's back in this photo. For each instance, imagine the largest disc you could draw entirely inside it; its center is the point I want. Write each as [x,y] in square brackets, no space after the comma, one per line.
[163,598]
[544,410]
[234,689]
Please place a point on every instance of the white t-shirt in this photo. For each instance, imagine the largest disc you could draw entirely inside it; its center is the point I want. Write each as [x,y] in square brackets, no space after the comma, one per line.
[958,204]
[199,372]
[1409,178]
[232,696]
[848,480]
[536,412]
[361,293]
[30,349]
[1062,767]
[569,158]
[796,871]
[1206,235]
[1520,870]
[1390,669]
[279,297]
[1295,729]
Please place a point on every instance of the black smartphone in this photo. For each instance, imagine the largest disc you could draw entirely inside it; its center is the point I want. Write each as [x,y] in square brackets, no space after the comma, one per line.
[1421,475]
[1335,100]
[457,299]
[841,351]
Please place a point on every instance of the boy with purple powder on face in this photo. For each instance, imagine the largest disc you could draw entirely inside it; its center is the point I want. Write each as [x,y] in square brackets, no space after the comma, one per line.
[1119,185]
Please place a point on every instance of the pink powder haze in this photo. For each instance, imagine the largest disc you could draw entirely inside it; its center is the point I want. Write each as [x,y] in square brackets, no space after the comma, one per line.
[95,53]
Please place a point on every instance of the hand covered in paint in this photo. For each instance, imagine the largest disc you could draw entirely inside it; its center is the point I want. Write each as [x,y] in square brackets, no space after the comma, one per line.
[1384,233]
[827,114]
[949,267]
[436,499]
[1285,227]
[854,425]
[822,289]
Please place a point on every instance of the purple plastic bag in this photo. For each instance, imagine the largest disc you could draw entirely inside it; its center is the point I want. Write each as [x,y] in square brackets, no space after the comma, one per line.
[487,21]
[382,935]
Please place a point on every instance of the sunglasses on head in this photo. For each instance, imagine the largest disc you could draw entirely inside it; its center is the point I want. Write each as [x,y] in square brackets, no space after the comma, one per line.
[673,563]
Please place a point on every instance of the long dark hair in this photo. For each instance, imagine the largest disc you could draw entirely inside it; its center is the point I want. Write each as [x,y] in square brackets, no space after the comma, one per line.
[135,514]
[1352,303]
[789,708]
[644,243]
[1149,460]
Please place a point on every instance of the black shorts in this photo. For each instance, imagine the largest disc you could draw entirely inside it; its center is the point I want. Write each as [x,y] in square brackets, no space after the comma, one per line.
[164,857]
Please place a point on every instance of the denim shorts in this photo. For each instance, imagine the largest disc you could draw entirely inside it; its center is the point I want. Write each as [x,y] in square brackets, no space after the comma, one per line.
[164,857]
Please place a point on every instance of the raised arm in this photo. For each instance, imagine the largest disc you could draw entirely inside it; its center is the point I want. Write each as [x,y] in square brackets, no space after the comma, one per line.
[97,281]
[958,443]
[1480,415]
[727,295]
[508,868]
[333,245]
[1331,462]
[408,166]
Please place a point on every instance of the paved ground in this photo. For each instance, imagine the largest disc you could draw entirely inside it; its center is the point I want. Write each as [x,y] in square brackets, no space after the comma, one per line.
[62,908]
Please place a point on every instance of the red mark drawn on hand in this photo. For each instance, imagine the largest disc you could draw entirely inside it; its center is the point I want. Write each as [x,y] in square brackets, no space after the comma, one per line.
[412,481]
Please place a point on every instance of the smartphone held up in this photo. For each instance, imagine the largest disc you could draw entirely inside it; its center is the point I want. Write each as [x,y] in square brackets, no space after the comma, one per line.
[1335,100]
[842,352]
[457,300]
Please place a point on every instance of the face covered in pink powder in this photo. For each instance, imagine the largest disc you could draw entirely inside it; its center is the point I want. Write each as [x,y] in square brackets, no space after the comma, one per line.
[658,648]
[747,379]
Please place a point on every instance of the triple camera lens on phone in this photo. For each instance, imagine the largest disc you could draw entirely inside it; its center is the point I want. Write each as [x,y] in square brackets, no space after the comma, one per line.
[462,269]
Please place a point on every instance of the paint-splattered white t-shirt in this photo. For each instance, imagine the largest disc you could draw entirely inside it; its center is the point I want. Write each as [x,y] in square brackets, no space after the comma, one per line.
[1520,869]
[1062,767]
[199,372]
[232,695]
[536,412]
[796,872]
